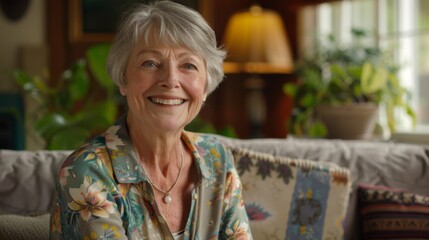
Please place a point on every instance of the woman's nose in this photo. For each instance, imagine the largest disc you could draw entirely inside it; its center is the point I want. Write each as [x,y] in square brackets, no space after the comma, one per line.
[170,77]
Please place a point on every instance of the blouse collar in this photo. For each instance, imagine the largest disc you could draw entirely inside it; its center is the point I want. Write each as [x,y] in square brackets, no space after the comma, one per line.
[125,165]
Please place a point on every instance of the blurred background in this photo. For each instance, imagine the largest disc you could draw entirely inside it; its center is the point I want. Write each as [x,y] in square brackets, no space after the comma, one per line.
[52,50]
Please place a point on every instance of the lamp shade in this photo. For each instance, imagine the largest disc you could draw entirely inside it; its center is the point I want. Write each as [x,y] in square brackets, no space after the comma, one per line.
[256,41]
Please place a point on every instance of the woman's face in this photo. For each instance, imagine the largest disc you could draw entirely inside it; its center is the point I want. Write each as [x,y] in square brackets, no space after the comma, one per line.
[164,86]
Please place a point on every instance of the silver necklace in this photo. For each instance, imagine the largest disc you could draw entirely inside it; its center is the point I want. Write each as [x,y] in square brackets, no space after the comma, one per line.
[167,198]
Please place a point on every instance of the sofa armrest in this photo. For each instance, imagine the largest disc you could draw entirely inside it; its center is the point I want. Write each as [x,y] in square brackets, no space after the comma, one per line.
[24,227]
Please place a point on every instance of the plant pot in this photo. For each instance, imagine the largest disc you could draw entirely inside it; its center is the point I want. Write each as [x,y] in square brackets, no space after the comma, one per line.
[350,121]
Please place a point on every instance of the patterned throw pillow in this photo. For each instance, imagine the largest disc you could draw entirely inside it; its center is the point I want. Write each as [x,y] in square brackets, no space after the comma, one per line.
[388,213]
[292,198]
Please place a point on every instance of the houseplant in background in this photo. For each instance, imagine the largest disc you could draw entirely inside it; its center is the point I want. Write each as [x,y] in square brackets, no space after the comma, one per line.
[83,102]
[339,80]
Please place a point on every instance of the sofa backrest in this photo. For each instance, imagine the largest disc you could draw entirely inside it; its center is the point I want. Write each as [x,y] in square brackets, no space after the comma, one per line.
[27,180]
[395,165]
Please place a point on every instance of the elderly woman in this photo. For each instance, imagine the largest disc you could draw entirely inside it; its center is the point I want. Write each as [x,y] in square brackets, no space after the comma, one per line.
[145,177]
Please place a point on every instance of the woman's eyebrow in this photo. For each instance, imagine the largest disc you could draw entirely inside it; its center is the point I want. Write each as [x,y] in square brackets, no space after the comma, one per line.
[147,51]
[181,55]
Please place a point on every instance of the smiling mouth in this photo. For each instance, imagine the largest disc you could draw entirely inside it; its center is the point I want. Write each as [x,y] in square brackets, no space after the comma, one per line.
[163,101]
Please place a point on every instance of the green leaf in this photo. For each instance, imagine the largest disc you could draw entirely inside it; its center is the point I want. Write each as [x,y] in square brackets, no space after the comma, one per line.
[366,75]
[70,138]
[32,84]
[338,71]
[79,82]
[290,89]
[49,124]
[355,72]
[95,118]
[380,79]
[23,80]
[103,112]
[97,56]
[318,129]
[358,33]
[308,100]
[42,87]
[394,81]
[410,112]
[228,132]
[373,79]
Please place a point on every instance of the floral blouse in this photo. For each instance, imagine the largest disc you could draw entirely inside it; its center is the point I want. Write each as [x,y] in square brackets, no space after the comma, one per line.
[103,193]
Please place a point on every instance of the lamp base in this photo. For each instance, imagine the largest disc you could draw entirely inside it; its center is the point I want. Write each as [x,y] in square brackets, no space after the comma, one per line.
[256,105]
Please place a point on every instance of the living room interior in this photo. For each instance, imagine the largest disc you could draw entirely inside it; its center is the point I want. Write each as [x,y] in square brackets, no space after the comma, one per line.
[47,39]
[58,39]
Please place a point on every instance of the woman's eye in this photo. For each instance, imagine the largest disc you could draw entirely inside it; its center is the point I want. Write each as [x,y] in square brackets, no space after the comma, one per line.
[149,64]
[190,66]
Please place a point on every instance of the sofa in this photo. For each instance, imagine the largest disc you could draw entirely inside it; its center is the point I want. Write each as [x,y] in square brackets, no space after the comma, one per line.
[371,189]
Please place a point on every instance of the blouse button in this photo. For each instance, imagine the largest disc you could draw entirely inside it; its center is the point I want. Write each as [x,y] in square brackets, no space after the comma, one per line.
[195,196]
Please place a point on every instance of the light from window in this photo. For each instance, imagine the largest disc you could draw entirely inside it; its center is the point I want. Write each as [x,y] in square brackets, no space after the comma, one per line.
[402,25]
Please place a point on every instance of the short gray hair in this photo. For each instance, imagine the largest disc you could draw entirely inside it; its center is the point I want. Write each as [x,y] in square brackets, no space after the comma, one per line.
[170,24]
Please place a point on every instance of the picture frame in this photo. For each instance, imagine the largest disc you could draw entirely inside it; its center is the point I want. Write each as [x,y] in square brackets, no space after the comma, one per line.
[93,21]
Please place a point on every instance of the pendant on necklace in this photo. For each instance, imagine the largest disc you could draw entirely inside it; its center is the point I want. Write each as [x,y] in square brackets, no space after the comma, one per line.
[167,199]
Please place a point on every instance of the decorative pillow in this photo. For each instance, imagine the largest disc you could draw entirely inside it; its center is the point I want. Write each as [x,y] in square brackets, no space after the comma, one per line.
[388,213]
[292,198]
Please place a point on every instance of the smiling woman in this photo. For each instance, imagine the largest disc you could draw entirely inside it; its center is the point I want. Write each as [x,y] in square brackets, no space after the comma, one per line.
[164,87]
[146,177]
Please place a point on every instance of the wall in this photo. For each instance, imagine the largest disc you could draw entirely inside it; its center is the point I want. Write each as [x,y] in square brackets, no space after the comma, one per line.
[23,45]
[29,31]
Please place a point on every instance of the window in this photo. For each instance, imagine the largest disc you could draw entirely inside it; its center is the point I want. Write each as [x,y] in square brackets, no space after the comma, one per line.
[402,25]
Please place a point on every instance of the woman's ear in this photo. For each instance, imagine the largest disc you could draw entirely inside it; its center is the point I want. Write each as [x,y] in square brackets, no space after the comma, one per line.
[123,86]
[123,91]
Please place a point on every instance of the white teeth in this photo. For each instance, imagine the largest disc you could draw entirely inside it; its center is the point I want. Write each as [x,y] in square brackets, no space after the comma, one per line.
[167,101]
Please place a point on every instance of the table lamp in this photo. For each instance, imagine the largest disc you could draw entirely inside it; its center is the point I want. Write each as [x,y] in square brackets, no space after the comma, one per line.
[257,44]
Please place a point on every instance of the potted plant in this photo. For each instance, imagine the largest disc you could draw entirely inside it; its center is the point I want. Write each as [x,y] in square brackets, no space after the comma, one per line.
[339,79]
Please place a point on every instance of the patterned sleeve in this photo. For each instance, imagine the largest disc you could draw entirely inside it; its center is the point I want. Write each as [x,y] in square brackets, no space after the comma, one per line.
[235,220]
[87,202]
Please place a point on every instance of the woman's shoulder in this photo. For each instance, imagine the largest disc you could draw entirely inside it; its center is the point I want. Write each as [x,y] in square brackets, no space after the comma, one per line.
[211,148]
[205,140]
[84,154]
